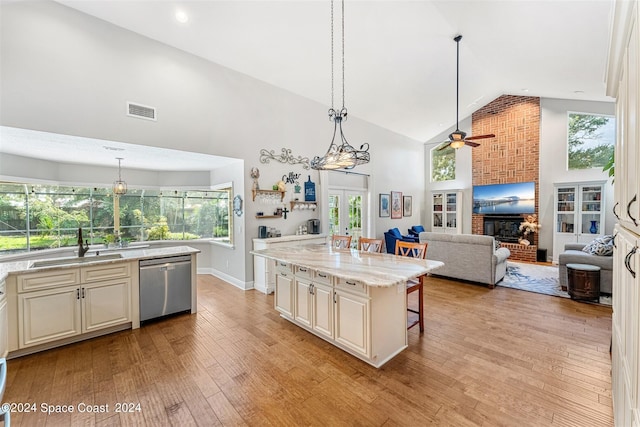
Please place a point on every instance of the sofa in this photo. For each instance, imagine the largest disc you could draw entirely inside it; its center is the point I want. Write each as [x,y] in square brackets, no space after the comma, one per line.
[394,234]
[468,257]
[573,254]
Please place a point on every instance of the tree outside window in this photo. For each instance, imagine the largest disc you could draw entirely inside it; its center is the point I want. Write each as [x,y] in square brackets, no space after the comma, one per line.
[591,140]
[443,164]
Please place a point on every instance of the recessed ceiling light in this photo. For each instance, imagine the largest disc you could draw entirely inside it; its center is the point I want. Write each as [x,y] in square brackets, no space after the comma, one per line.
[181,16]
[525,90]
[107,147]
[578,91]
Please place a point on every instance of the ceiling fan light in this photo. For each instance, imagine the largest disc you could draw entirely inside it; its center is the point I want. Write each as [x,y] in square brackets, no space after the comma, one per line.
[458,143]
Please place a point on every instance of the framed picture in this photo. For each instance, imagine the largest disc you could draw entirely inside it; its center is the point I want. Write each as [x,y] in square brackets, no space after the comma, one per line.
[406,205]
[396,204]
[384,205]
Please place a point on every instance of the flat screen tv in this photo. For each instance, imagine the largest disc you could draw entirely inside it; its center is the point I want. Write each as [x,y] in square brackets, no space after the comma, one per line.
[516,198]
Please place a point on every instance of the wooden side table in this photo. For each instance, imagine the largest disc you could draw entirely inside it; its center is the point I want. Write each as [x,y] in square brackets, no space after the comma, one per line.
[584,282]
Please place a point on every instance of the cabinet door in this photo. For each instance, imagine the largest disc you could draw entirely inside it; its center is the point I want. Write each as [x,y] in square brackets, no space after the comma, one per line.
[437,220]
[303,302]
[4,336]
[49,315]
[106,304]
[323,310]
[352,322]
[284,293]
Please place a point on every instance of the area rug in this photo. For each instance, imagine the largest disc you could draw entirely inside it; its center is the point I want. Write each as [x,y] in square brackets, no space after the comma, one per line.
[541,279]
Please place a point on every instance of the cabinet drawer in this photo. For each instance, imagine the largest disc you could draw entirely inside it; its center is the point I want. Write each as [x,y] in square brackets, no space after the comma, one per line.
[351,285]
[48,279]
[284,267]
[303,272]
[322,277]
[105,272]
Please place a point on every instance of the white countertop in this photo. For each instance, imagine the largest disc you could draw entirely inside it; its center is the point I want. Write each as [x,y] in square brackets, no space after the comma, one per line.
[24,266]
[373,269]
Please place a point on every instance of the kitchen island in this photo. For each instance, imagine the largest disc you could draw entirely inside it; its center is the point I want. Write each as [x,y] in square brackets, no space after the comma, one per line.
[56,301]
[355,300]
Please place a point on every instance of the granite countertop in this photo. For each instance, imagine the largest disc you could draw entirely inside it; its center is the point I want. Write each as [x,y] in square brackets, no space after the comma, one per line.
[373,269]
[290,238]
[25,266]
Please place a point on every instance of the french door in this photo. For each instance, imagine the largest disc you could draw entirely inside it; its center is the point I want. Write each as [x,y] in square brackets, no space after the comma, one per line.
[347,210]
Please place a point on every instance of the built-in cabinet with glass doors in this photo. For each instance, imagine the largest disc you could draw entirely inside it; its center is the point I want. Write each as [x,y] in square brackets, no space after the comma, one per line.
[446,212]
[578,212]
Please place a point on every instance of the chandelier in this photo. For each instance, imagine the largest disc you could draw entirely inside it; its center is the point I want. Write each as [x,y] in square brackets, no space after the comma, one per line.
[342,156]
[119,186]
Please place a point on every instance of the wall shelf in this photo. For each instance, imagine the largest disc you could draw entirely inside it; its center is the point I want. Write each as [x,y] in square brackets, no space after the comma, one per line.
[300,205]
[267,193]
[268,216]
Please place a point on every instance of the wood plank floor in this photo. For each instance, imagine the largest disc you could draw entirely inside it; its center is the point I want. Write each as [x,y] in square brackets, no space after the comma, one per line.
[499,357]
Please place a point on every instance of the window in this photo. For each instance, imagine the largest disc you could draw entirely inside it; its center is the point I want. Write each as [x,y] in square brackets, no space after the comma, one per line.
[591,140]
[443,164]
[36,217]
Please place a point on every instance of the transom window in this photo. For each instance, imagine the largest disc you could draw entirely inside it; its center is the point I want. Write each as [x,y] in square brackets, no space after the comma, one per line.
[443,164]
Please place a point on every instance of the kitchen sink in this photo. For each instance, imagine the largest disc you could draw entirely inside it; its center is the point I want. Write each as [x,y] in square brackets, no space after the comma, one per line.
[54,262]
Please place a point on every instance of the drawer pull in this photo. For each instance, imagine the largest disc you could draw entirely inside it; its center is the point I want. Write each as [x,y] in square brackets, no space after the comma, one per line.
[304,270]
[350,283]
[322,275]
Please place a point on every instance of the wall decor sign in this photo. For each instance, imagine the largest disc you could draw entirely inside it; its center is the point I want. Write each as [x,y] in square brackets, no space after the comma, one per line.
[396,204]
[406,205]
[384,205]
[284,157]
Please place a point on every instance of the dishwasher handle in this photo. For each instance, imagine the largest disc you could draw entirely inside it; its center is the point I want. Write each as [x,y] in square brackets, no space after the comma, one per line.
[165,260]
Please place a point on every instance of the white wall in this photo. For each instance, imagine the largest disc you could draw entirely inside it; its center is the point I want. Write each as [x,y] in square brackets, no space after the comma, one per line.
[463,181]
[553,161]
[68,73]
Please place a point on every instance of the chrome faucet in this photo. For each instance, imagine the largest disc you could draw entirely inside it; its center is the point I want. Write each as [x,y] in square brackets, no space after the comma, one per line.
[82,249]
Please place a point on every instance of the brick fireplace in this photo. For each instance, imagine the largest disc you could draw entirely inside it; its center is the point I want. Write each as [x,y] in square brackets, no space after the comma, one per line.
[512,156]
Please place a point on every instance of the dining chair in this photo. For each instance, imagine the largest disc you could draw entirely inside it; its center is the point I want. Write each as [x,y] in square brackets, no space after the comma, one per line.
[370,245]
[414,250]
[340,242]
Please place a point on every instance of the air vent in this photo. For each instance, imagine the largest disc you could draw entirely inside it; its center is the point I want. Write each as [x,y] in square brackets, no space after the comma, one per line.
[141,111]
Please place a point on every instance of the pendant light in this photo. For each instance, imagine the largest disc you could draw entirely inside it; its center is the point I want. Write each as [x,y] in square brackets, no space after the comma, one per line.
[340,155]
[119,186]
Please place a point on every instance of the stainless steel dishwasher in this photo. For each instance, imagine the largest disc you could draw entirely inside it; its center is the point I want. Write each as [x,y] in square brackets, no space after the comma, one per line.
[165,286]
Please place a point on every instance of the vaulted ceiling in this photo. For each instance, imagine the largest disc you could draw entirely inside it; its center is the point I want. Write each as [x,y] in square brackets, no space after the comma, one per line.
[400,57]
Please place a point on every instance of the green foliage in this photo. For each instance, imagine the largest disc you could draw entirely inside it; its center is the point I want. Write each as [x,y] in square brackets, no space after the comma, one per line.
[610,166]
[585,129]
[443,164]
[160,231]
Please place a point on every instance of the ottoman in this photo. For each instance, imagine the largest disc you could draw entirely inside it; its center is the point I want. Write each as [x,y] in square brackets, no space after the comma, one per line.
[584,282]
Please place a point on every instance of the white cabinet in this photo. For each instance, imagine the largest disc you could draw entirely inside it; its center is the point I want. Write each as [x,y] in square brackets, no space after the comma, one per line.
[626,328]
[4,321]
[368,322]
[446,212]
[264,273]
[285,291]
[48,315]
[54,305]
[352,321]
[624,83]
[578,214]
[105,304]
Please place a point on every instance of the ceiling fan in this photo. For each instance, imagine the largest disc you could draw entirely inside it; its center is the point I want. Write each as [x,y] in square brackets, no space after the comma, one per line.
[458,138]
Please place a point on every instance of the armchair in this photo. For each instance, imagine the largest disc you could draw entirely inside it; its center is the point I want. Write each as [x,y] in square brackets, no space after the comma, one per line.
[415,230]
[392,235]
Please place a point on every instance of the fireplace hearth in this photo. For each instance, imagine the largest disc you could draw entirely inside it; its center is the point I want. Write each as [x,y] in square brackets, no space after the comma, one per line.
[504,228]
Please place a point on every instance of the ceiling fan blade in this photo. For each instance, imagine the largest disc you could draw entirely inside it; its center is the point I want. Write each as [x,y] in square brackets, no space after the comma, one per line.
[471,138]
[471,143]
[444,145]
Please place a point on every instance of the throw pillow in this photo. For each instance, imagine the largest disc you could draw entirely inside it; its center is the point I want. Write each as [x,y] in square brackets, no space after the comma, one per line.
[602,246]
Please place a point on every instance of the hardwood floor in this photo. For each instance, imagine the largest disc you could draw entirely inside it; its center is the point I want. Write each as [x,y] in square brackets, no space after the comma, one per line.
[488,357]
